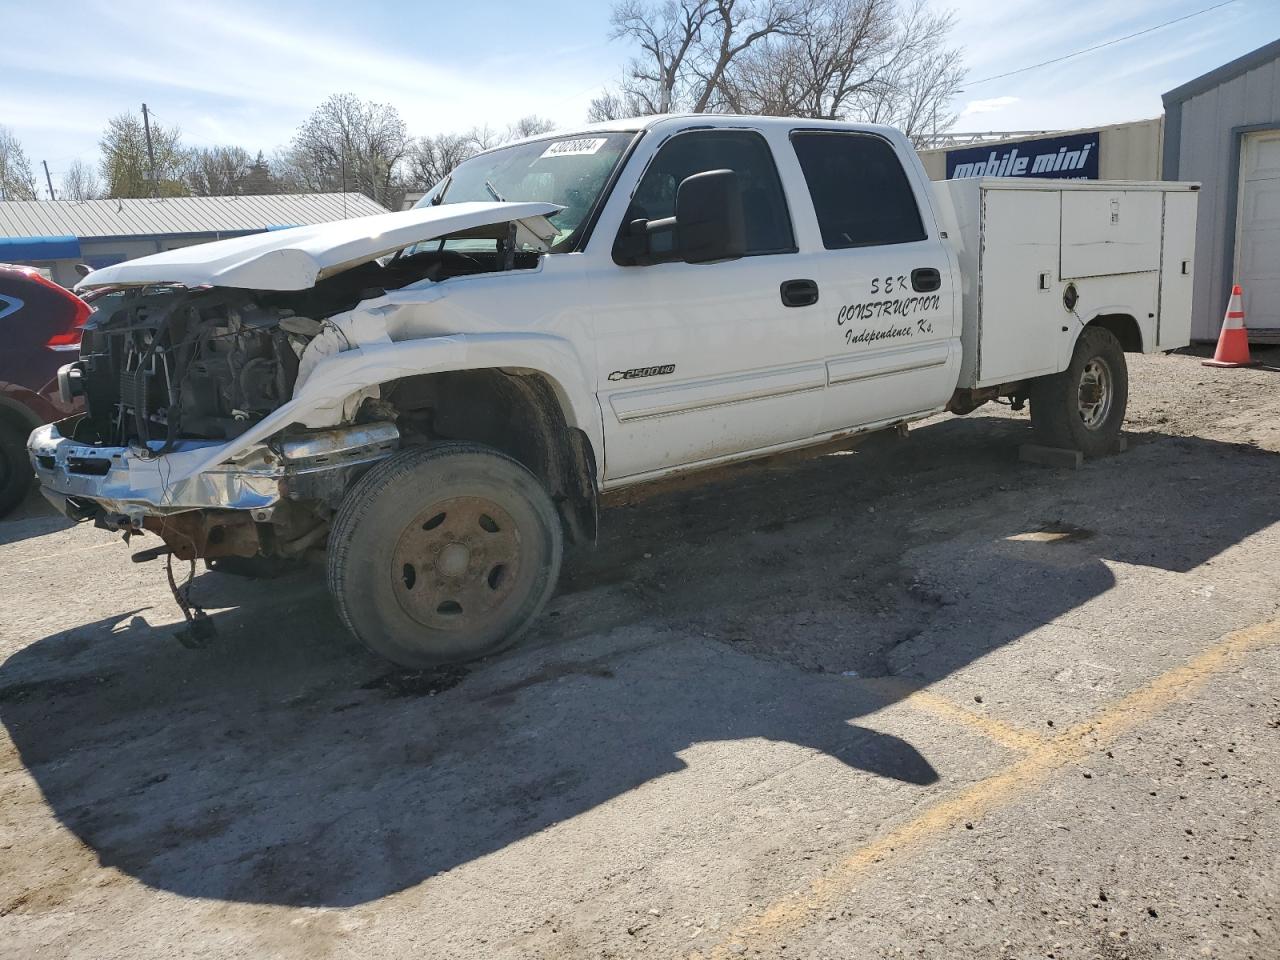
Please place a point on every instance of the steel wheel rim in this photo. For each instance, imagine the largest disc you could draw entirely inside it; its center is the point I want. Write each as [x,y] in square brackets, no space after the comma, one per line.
[456,565]
[1096,393]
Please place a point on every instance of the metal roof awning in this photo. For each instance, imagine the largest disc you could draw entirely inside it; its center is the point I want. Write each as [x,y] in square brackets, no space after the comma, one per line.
[39,248]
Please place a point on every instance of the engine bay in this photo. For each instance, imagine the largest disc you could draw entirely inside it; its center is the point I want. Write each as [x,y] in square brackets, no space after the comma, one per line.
[166,363]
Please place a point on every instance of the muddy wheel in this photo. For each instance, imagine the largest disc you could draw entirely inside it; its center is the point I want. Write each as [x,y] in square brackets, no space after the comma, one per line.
[1083,407]
[444,554]
[15,471]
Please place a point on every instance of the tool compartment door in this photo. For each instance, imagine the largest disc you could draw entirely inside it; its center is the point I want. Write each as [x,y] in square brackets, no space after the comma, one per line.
[1109,232]
[1176,259]
[1020,307]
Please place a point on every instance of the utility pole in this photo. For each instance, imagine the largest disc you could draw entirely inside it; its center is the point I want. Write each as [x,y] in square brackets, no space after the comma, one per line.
[49,180]
[151,153]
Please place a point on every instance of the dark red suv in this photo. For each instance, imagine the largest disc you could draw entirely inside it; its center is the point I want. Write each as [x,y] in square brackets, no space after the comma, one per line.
[39,332]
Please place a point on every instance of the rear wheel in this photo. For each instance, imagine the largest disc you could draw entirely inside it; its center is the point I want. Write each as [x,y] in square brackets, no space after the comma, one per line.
[444,554]
[1083,407]
[15,471]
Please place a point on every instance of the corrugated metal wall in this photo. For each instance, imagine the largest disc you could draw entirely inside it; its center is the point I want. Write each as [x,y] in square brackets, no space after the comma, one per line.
[1208,149]
[1126,151]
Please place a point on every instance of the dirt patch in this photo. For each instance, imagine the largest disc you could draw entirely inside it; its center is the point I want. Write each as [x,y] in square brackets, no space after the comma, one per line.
[417,683]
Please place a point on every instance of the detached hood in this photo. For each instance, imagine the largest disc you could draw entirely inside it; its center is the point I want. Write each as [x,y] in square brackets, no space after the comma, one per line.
[295,258]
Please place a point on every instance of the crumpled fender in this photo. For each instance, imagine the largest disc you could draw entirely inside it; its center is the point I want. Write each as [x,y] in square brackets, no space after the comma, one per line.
[319,401]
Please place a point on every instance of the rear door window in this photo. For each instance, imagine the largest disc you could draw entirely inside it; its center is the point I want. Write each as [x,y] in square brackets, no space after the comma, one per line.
[860,192]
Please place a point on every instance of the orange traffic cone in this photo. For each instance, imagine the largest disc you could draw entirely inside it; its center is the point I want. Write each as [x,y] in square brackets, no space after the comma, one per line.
[1233,341]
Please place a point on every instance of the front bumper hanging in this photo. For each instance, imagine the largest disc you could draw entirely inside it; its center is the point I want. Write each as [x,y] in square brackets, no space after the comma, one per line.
[85,481]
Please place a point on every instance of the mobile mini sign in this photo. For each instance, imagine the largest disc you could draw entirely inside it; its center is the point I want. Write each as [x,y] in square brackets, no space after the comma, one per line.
[1073,157]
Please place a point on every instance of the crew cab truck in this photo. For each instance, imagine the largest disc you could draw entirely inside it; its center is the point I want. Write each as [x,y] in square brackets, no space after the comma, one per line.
[438,397]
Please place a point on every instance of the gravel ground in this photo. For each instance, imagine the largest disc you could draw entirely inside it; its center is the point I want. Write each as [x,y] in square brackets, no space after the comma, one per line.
[913,698]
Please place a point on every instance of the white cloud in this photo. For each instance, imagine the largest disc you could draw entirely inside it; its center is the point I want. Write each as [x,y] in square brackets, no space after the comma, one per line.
[1122,81]
[232,73]
[993,105]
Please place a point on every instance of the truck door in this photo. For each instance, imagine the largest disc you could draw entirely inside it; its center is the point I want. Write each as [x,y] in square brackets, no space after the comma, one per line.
[890,333]
[701,361]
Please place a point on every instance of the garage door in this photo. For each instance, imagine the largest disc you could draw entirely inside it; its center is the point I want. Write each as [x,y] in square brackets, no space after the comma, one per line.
[1258,239]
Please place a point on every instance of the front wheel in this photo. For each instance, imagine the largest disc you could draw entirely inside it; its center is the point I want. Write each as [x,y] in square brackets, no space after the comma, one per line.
[1083,407]
[444,554]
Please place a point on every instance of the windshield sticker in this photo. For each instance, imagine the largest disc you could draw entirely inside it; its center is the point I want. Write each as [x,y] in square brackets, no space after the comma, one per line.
[582,147]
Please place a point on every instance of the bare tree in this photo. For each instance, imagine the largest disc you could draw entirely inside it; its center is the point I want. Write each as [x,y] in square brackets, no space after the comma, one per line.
[738,26]
[819,70]
[17,182]
[615,105]
[217,171]
[346,144]
[432,158]
[228,172]
[667,34]
[918,76]
[687,47]
[879,60]
[126,166]
[484,138]
[80,182]
[530,126]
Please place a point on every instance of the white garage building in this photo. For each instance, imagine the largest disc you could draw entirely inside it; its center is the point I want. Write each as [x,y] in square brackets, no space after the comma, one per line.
[1223,129]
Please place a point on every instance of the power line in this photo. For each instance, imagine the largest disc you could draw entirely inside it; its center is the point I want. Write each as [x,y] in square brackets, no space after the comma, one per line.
[1045,63]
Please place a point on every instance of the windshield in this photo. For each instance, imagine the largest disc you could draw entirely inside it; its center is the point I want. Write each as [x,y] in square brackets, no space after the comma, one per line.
[569,171]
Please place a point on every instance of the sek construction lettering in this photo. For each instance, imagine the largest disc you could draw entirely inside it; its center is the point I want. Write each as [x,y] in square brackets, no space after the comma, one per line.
[886,308]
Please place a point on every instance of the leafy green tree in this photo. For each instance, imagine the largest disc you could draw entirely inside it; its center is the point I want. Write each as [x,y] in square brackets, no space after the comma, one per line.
[126,166]
[17,182]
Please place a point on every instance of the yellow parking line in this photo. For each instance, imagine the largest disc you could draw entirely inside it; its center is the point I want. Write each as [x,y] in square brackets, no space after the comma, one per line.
[941,707]
[796,911]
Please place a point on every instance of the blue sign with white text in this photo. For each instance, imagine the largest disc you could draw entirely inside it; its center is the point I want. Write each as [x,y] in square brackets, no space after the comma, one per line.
[1073,157]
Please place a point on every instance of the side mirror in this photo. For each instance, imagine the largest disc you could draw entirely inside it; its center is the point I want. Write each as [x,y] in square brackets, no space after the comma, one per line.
[708,225]
[709,219]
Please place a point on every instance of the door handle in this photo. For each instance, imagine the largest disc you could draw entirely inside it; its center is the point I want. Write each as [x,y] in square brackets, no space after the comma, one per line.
[799,293]
[925,279]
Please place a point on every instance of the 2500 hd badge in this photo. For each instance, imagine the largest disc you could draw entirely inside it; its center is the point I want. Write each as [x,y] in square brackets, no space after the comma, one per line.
[659,371]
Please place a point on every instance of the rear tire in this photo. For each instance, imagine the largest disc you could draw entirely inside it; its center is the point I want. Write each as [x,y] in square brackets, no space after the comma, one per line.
[444,554]
[1083,407]
[16,475]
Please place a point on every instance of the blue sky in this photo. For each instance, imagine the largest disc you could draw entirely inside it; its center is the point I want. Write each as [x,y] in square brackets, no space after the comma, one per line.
[228,71]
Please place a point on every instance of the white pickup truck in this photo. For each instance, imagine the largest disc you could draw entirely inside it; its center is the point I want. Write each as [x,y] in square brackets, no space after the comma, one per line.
[438,397]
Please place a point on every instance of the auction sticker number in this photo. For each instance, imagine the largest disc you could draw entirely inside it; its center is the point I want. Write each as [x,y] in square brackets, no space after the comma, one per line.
[581,147]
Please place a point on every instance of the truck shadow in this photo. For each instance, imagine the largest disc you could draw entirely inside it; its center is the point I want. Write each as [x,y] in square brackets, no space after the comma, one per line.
[285,766]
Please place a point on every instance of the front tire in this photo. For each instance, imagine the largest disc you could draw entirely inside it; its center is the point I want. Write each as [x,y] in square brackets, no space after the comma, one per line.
[1083,407]
[444,554]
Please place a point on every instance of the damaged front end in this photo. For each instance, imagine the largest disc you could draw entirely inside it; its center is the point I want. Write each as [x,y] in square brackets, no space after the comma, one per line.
[211,418]
[170,376]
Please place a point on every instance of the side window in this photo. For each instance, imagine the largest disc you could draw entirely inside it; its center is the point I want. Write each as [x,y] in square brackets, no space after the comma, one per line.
[860,192]
[767,222]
